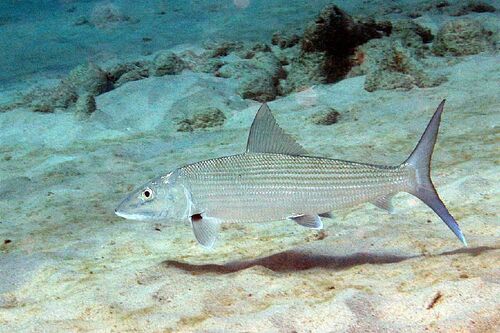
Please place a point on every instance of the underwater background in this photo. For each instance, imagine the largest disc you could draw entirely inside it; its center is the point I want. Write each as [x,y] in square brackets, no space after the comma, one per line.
[98,97]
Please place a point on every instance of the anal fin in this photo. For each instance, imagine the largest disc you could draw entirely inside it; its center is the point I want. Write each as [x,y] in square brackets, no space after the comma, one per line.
[205,229]
[309,221]
[384,202]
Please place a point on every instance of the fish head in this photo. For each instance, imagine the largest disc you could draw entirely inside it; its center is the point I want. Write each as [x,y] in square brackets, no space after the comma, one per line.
[160,199]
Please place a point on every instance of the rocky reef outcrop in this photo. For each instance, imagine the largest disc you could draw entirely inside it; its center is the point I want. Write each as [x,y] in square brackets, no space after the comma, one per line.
[129,71]
[207,118]
[462,37]
[440,7]
[83,80]
[326,117]
[388,64]
[167,63]
[327,47]
[333,46]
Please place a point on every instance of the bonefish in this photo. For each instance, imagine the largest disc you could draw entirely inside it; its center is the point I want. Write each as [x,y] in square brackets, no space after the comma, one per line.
[276,179]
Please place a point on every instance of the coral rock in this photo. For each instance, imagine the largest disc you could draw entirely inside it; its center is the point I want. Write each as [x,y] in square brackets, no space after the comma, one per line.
[133,75]
[387,80]
[452,8]
[250,52]
[304,71]
[221,49]
[82,81]
[328,117]
[284,40]
[262,88]
[211,117]
[127,72]
[261,47]
[108,15]
[411,33]
[258,77]
[167,63]
[85,104]
[337,34]
[88,79]
[462,37]
[209,66]
[201,63]
[388,65]
[46,99]
[262,84]
[475,7]
[44,107]
[63,96]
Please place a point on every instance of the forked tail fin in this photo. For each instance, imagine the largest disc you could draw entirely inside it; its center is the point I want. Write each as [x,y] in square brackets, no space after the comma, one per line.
[420,161]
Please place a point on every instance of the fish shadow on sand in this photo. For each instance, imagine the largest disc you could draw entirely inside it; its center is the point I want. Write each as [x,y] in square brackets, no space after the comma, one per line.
[472,251]
[290,261]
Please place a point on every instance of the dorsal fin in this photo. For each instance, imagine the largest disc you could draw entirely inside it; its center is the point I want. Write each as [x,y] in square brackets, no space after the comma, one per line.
[267,137]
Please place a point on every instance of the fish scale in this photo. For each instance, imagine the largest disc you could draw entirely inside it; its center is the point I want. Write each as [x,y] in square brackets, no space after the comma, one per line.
[255,187]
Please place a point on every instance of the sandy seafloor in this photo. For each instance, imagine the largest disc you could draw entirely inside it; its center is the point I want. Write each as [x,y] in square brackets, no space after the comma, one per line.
[73,266]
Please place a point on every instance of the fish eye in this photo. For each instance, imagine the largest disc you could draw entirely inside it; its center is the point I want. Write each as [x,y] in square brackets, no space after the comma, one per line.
[147,194]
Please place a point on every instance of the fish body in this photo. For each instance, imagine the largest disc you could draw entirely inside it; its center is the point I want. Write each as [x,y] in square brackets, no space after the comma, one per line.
[259,187]
[276,179]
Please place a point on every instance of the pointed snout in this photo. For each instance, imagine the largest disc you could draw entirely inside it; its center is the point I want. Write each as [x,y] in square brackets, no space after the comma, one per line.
[132,208]
[119,212]
[125,210]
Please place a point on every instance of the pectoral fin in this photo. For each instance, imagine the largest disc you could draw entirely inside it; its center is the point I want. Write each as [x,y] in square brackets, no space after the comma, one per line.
[309,221]
[205,229]
[384,202]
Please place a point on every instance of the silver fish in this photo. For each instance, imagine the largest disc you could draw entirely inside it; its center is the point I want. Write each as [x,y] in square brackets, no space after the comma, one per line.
[275,179]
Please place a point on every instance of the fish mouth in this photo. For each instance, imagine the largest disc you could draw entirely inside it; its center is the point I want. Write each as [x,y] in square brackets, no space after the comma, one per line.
[131,209]
[137,217]
[128,211]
